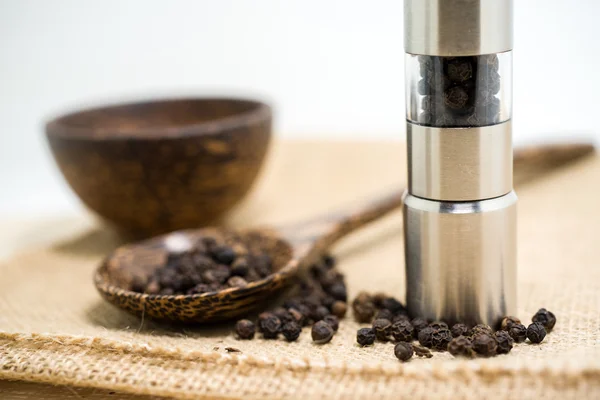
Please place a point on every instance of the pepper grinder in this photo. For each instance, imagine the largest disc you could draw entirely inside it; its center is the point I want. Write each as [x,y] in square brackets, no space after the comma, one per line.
[460,208]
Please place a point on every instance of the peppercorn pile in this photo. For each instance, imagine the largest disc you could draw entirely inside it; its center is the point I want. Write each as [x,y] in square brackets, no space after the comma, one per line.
[390,322]
[208,265]
[320,302]
[459,91]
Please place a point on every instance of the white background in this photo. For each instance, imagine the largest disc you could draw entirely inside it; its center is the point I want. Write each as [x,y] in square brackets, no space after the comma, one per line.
[332,69]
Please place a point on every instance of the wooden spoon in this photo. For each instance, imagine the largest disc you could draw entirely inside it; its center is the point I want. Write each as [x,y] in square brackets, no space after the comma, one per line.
[291,248]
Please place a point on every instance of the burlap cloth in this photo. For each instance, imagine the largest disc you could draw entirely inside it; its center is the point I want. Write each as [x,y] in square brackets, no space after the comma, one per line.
[54,327]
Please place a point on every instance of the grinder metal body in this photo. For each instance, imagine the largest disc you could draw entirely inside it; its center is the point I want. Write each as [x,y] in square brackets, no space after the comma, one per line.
[460,207]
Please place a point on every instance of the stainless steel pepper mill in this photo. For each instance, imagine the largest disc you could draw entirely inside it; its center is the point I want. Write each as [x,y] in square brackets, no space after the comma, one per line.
[460,208]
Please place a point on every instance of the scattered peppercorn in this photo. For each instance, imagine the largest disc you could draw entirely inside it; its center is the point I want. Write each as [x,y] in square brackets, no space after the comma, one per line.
[426,336]
[505,342]
[333,321]
[440,339]
[507,322]
[291,331]
[422,351]
[400,317]
[329,260]
[382,328]
[338,291]
[321,332]
[479,329]
[339,308]
[270,326]
[518,332]
[393,305]
[485,344]
[365,336]
[459,330]
[403,331]
[377,298]
[245,329]
[438,325]
[461,346]
[419,324]
[364,312]
[384,314]
[283,315]
[403,351]
[319,313]
[545,318]
[536,332]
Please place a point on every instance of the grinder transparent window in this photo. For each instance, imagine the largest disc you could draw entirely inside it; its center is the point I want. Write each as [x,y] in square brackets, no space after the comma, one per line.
[467,91]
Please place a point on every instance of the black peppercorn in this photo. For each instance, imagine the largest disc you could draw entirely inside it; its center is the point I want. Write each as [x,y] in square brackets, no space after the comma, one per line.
[338,291]
[403,351]
[459,330]
[545,318]
[438,325]
[460,69]
[518,332]
[485,344]
[422,351]
[333,321]
[236,281]
[262,317]
[321,332]
[240,267]
[218,274]
[507,322]
[223,255]
[291,331]
[426,336]
[297,316]
[461,346]
[382,328]
[393,305]
[339,308]
[378,298]
[245,329]
[384,314]
[270,327]
[403,331]
[479,329]
[284,315]
[505,342]
[329,260]
[440,339]
[456,98]
[365,336]
[419,324]
[364,312]
[400,317]
[536,332]
[319,313]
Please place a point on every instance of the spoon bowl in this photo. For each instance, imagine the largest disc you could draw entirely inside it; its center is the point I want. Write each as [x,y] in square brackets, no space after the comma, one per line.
[114,279]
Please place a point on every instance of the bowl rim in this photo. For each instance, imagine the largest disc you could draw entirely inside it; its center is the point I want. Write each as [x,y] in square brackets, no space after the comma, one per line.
[58,128]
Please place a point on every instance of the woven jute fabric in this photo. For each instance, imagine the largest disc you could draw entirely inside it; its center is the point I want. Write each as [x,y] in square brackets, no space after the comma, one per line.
[55,328]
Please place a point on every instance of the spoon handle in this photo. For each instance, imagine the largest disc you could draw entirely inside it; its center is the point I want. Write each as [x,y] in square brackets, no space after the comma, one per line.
[324,230]
[320,233]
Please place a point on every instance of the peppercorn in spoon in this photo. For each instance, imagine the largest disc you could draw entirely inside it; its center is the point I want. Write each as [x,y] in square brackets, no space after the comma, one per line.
[214,274]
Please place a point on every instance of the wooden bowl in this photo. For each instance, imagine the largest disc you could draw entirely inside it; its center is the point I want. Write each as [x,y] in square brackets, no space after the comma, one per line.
[162,165]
